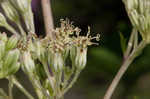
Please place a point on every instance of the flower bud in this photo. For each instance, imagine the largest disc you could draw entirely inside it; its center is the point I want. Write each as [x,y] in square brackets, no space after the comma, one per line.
[7,71]
[134,18]
[10,11]
[131,4]
[66,53]
[56,61]
[12,42]
[10,64]
[14,68]
[21,5]
[3,37]
[12,57]
[81,58]
[3,21]
[2,49]
[78,57]
[73,54]
[139,14]
[37,50]
[28,62]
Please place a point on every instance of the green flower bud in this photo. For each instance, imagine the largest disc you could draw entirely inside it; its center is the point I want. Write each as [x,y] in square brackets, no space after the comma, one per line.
[12,42]
[37,50]
[10,64]
[9,71]
[10,11]
[28,62]
[56,61]
[139,14]
[131,4]
[12,57]
[21,5]
[66,53]
[78,57]
[40,51]
[14,68]
[3,21]
[3,37]
[2,49]
[134,18]
[73,54]
[81,58]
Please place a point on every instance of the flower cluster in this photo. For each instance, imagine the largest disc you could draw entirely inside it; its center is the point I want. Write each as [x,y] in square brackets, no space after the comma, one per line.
[52,65]
[52,54]
[139,14]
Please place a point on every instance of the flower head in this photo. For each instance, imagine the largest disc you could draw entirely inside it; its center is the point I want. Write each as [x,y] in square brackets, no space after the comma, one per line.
[139,14]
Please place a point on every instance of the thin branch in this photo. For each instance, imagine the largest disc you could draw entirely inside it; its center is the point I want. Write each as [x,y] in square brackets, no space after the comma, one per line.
[10,88]
[72,82]
[122,70]
[48,18]
[17,83]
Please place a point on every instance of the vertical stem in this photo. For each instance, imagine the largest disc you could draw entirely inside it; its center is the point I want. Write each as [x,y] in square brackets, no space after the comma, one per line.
[123,69]
[48,18]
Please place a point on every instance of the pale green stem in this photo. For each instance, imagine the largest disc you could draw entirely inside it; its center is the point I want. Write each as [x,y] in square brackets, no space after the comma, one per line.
[40,91]
[77,73]
[58,84]
[135,40]
[3,94]
[123,69]
[23,33]
[50,78]
[10,88]
[66,79]
[11,29]
[17,83]
[130,43]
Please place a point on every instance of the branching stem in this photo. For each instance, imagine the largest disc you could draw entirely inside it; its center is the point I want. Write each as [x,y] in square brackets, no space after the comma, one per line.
[77,73]
[123,69]
[17,83]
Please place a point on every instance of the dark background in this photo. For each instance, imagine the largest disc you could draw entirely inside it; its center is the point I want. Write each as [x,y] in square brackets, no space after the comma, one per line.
[109,18]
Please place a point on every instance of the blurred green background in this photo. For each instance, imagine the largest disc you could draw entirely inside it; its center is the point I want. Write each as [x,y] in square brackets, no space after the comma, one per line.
[109,18]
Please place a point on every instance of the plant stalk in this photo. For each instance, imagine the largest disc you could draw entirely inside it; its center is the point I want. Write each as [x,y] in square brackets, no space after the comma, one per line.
[77,73]
[10,88]
[123,69]
[48,18]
